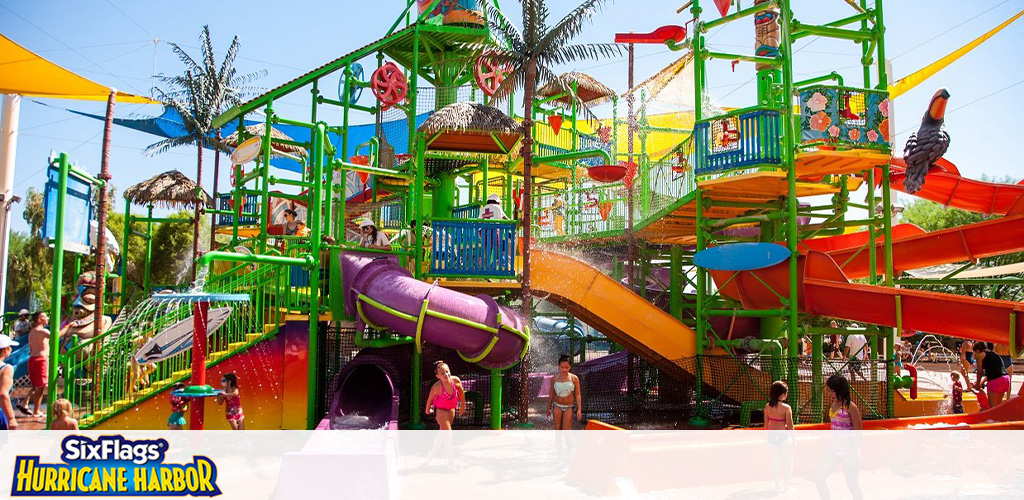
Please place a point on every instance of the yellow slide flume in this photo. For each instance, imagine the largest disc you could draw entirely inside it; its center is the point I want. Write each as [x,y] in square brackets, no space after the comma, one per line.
[631,321]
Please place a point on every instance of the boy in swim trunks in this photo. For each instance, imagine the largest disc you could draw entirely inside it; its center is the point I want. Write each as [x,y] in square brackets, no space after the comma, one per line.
[38,361]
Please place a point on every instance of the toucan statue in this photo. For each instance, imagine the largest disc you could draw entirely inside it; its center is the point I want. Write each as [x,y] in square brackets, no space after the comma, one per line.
[928,144]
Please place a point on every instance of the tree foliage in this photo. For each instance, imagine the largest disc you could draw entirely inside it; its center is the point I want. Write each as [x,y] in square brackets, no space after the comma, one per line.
[30,262]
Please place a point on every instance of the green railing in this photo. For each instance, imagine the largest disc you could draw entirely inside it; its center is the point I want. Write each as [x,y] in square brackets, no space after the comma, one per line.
[587,210]
[601,210]
[661,184]
[100,376]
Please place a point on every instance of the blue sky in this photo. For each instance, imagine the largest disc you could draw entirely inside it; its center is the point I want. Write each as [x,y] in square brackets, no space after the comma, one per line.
[112,42]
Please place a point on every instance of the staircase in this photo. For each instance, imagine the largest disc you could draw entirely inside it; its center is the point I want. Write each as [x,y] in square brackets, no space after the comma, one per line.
[104,380]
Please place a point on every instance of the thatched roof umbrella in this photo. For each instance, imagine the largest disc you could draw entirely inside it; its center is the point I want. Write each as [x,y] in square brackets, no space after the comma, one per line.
[588,90]
[170,189]
[471,127]
[259,130]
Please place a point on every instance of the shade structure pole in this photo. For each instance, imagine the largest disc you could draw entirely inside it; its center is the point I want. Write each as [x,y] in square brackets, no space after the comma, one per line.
[8,152]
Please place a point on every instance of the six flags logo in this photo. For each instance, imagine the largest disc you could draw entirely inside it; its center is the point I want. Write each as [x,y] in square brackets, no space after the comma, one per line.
[114,466]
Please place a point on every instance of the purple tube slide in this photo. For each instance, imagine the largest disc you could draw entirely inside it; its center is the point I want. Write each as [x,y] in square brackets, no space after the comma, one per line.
[383,294]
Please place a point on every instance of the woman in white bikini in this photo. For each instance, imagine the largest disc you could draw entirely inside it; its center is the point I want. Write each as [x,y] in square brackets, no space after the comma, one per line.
[565,393]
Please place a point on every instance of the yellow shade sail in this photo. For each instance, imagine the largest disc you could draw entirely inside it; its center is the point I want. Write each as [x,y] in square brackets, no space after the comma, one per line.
[27,74]
[912,80]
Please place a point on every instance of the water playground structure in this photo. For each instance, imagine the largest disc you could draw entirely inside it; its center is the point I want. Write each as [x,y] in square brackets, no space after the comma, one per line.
[695,239]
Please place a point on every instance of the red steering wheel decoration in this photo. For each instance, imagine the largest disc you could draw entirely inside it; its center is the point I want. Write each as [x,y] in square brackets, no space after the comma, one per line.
[489,72]
[389,85]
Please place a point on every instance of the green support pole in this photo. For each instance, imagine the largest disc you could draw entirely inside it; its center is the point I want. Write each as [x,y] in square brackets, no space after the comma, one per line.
[444,195]
[418,186]
[791,201]
[126,239]
[817,381]
[316,237]
[56,285]
[496,377]
[147,285]
[417,360]
[676,282]
[700,53]
[265,179]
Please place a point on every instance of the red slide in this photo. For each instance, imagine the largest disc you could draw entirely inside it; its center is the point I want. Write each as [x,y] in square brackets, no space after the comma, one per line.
[913,248]
[826,291]
[1005,416]
[945,185]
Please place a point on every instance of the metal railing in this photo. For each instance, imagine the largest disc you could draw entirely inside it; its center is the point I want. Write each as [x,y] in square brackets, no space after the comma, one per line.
[250,205]
[473,248]
[101,377]
[470,211]
[591,210]
[392,215]
[746,138]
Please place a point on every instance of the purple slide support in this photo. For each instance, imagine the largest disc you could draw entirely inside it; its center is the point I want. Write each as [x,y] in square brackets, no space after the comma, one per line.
[382,294]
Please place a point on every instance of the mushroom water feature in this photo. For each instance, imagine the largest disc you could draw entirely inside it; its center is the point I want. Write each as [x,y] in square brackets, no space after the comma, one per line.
[181,336]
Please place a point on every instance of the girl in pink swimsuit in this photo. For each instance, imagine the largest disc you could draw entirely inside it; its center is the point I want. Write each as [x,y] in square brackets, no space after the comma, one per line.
[778,421]
[844,416]
[446,396]
[232,402]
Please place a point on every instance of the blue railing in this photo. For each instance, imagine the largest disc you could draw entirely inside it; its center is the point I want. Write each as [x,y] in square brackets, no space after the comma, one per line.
[473,248]
[743,138]
[471,211]
[251,205]
[392,216]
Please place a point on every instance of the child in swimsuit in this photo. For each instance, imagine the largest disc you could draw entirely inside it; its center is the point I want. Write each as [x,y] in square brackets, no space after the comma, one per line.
[176,421]
[565,392]
[446,396]
[957,395]
[844,416]
[232,402]
[62,416]
[778,421]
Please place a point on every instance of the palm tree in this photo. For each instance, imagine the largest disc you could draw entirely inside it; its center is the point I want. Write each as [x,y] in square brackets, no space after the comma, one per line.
[531,54]
[201,93]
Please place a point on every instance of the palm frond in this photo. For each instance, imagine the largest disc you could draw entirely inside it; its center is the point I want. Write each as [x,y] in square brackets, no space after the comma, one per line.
[499,23]
[580,52]
[164,145]
[572,24]
[190,64]
[227,66]
[206,41]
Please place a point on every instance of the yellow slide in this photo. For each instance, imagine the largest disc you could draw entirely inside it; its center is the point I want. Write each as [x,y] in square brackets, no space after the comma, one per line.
[638,325]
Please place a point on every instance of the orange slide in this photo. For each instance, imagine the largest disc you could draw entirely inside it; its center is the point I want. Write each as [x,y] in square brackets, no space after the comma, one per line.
[825,290]
[635,323]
